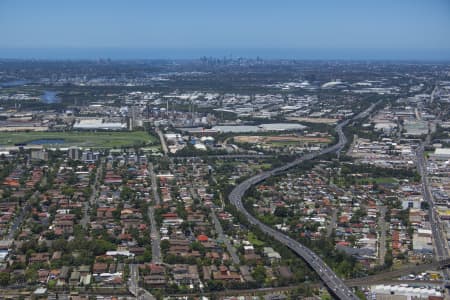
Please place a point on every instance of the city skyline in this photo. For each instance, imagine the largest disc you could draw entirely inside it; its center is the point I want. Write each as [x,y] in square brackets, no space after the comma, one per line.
[297,29]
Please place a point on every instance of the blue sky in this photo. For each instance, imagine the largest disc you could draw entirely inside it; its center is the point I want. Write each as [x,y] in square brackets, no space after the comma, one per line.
[390,27]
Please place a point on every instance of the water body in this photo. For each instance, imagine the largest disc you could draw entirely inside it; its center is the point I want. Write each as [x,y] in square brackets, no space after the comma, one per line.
[50,97]
[13,83]
[47,142]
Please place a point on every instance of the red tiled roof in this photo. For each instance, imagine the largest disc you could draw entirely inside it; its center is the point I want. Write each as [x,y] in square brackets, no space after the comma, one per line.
[202,238]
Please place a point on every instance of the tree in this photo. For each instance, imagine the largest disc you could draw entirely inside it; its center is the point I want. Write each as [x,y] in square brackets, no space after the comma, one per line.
[259,274]
[165,245]
[360,294]
[127,194]
[31,275]
[101,246]
[215,285]
[197,246]
[68,191]
[4,278]
[326,297]
[147,256]
[51,284]
[358,215]
[282,212]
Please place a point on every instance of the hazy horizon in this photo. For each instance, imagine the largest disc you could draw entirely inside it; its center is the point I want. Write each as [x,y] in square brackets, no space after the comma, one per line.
[322,29]
[152,53]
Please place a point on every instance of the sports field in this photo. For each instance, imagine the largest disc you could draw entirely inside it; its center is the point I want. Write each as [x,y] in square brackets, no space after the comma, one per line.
[82,139]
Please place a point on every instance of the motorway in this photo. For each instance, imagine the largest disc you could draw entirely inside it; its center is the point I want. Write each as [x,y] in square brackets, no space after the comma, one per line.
[334,283]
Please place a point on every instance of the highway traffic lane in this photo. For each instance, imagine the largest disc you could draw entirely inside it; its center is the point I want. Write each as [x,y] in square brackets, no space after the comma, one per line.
[335,284]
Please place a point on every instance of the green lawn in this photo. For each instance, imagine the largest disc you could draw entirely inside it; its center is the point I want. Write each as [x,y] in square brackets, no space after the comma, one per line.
[382,180]
[284,144]
[254,240]
[82,139]
[378,180]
